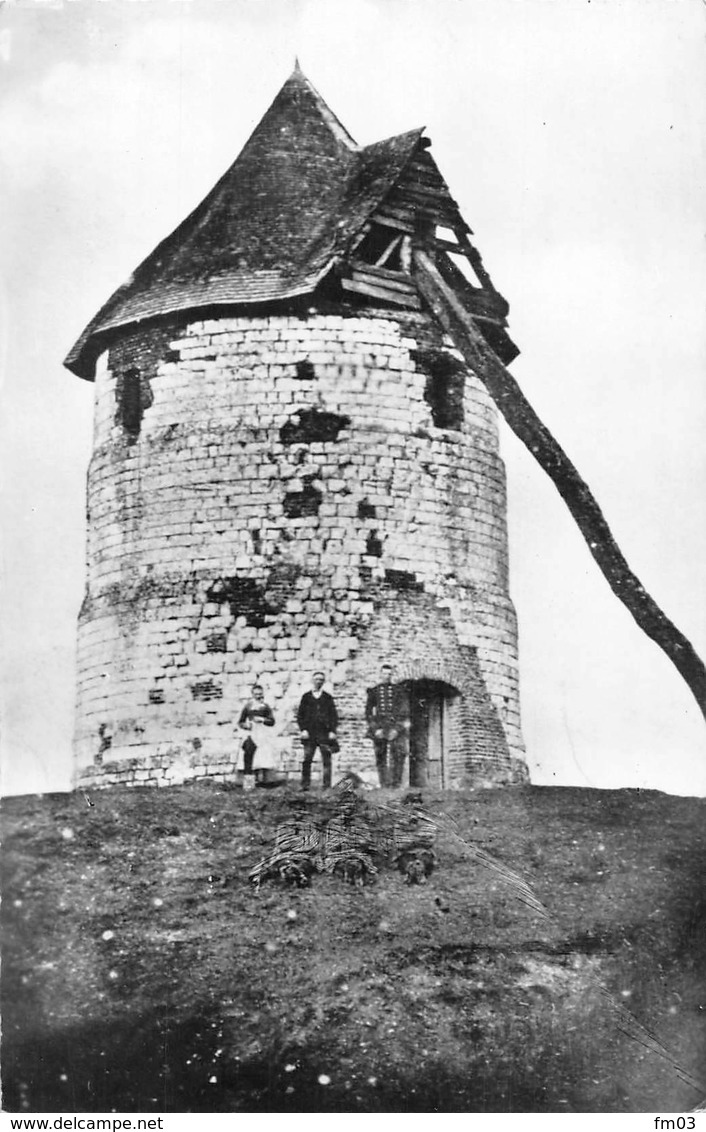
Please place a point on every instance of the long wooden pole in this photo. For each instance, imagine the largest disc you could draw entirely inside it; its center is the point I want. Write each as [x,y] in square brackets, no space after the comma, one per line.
[549,454]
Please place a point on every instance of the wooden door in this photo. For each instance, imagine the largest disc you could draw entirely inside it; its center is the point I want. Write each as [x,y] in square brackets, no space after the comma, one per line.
[426,748]
[435,739]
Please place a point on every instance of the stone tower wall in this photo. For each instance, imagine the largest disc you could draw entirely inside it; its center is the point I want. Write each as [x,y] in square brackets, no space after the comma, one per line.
[268,496]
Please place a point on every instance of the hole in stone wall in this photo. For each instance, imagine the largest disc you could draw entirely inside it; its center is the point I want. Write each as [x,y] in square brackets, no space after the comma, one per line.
[311,425]
[304,370]
[245,597]
[172,356]
[131,407]
[366,510]
[217,642]
[156,695]
[403,580]
[133,395]
[282,577]
[206,690]
[373,545]
[444,395]
[445,386]
[256,541]
[297,504]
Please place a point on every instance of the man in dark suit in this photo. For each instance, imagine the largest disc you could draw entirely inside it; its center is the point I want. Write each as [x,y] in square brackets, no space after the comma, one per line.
[387,711]
[318,722]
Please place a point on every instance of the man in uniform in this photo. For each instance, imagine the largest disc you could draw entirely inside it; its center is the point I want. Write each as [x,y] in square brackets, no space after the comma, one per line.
[318,722]
[387,712]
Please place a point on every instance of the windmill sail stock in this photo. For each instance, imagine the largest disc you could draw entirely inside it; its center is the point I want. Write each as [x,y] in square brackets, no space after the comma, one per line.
[551,457]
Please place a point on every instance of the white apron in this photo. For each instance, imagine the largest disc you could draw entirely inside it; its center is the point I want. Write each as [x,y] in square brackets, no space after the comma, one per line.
[266,755]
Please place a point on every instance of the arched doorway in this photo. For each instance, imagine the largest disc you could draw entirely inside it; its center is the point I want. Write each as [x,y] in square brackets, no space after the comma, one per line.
[430,704]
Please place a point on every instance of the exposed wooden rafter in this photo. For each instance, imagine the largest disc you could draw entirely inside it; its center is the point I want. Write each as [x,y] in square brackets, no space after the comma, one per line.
[413,212]
[376,289]
[391,247]
[392,217]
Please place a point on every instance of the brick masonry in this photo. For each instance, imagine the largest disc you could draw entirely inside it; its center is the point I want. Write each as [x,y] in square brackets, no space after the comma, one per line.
[268,496]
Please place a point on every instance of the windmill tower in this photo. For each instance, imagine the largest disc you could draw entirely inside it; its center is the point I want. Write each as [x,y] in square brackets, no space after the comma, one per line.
[294,469]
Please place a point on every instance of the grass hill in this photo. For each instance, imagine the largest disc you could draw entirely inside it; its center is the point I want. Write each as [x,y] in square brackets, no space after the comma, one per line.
[142,972]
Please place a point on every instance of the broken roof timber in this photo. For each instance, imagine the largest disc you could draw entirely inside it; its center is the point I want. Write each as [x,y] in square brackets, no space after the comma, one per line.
[290,209]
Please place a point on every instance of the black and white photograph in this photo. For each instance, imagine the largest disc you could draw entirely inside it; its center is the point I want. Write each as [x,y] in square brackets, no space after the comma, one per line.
[354,557]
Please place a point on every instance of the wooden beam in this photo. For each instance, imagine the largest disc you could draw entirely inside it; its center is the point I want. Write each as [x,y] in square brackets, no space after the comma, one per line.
[551,457]
[447,246]
[393,222]
[426,211]
[408,186]
[366,275]
[360,237]
[474,258]
[395,212]
[427,177]
[388,251]
[406,254]
[398,298]
[383,274]
[424,161]
[442,212]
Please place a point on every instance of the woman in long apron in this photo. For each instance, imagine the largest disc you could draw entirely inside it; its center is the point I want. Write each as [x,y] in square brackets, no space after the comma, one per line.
[259,751]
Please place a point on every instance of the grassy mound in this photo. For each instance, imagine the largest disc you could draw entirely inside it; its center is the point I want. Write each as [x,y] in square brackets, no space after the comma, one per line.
[143,973]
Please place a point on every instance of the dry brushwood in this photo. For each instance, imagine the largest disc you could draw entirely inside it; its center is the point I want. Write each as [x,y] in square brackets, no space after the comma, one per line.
[416,864]
[353,868]
[295,869]
[349,842]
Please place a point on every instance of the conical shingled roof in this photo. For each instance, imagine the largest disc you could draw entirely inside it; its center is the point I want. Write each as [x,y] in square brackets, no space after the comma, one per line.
[270,229]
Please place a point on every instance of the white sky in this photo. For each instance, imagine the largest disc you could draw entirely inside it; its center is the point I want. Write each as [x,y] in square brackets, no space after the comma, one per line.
[573,136]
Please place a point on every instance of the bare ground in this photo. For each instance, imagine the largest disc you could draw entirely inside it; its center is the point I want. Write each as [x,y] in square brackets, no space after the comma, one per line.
[142,973]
